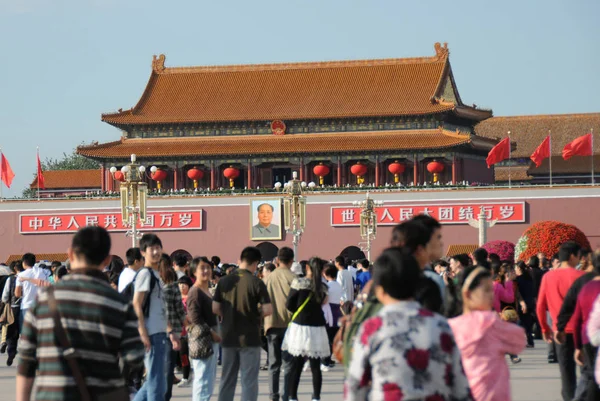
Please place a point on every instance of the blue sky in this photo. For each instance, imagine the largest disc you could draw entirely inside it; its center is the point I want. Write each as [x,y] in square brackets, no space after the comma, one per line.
[63,62]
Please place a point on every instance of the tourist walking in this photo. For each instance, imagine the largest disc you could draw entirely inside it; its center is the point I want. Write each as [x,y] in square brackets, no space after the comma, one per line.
[483,338]
[150,310]
[415,343]
[10,330]
[344,278]
[84,313]
[25,288]
[306,337]
[526,307]
[278,285]
[554,288]
[202,319]
[185,284]
[363,276]
[175,318]
[236,300]
[135,262]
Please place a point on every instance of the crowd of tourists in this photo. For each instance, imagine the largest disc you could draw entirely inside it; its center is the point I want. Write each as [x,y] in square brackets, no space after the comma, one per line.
[410,326]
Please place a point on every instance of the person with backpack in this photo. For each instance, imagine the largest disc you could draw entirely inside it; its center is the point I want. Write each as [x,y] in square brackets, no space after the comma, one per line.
[153,326]
[10,330]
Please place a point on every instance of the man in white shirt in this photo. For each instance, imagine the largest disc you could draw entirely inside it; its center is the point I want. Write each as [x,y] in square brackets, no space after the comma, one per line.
[344,277]
[134,262]
[26,289]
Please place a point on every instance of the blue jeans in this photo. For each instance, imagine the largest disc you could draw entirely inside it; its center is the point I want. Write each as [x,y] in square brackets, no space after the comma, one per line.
[22,319]
[155,361]
[205,374]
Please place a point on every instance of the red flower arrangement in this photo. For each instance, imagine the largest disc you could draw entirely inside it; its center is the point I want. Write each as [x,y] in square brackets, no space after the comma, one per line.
[504,249]
[548,236]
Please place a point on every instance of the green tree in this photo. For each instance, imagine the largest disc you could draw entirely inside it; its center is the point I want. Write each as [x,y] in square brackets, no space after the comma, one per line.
[71,161]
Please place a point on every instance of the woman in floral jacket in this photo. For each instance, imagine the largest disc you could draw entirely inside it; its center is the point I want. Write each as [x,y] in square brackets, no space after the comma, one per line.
[405,352]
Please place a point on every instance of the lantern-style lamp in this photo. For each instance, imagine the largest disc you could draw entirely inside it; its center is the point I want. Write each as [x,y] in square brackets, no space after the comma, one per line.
[435,168]
[231,173]
[321,171]
[396,169]
[359,170]
[157,175]
[196,175]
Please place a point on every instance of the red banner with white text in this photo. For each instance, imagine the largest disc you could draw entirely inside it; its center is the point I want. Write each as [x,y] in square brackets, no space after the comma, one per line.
[58,223]
[513,212]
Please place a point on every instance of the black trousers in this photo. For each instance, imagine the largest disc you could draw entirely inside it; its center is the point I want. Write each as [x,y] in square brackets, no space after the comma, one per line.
[527,323]
[566,363]
[278,359]
[589,356]
[317,377]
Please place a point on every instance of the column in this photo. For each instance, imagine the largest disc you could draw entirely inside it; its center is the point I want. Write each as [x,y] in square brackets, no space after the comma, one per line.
[453,170]
[339,172]
[249,174]
[176,175]
[302,175]
[212,175]
[102,178]
[377,171]
[416,170]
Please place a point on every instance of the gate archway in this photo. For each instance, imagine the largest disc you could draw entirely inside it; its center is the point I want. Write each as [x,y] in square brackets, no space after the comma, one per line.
[268,251]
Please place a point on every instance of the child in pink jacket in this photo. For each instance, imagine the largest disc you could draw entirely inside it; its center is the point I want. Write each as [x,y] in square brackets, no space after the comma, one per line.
[484,339]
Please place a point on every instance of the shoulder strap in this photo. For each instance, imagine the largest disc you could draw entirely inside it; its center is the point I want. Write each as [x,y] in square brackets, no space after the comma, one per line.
[68,351]
[295,315]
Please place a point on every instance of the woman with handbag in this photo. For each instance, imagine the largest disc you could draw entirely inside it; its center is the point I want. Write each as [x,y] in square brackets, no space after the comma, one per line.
[203,340]
[306,336]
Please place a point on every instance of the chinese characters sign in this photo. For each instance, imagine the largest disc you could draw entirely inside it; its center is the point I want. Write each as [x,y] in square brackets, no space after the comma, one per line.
[446,214]
[71,222]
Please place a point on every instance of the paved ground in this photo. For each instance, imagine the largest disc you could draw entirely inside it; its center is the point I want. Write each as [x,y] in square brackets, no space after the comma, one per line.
[531,380]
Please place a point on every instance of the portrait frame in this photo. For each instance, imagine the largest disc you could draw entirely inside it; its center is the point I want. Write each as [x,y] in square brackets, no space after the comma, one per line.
[260,233]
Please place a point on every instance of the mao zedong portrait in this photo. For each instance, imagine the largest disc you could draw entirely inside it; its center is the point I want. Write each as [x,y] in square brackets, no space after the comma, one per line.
[265,228]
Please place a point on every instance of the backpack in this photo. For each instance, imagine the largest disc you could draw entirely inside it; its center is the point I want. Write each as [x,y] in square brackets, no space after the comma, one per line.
[129,291]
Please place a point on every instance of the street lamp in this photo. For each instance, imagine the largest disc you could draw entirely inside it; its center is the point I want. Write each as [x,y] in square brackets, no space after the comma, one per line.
[294,210]
[134,194]
[368,222]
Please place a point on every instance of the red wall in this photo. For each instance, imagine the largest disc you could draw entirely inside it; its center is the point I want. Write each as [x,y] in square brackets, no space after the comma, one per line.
[226,222]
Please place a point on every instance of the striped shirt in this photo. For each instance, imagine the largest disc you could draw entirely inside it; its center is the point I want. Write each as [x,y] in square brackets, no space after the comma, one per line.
[101,326]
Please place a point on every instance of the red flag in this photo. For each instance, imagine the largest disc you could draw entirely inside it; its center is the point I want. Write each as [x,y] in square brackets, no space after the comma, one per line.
[6,172]
[40,173]
[499,152]
[542,152]
[581,146]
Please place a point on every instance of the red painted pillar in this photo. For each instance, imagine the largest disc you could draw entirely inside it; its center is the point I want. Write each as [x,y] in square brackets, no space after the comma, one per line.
[249,175]
[454,170]
[339,172]
[416,170]
[175,178]
[212,175]
[102,177]
[301,169]
[377,172]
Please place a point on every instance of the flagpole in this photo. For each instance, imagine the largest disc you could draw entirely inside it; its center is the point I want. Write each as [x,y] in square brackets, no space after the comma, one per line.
[550,153]
[509,154]
[38,174]
[592,134]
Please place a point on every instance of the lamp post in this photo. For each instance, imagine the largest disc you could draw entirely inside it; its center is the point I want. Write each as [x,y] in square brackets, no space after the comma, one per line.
[134,194]
[294,210]
[368,222]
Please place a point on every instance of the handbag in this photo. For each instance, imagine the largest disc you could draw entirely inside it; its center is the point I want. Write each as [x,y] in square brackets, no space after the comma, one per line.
[509,314]
[70,355]
[200,341]
[7,317]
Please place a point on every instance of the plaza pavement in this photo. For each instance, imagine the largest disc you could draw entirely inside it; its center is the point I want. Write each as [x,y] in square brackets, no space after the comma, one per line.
[531,380]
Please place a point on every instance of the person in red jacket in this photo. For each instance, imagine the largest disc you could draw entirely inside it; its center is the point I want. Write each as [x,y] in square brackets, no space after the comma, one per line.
[554,288]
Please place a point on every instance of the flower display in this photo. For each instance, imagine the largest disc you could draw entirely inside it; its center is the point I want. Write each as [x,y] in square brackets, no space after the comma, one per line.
[504,249]
[547,237]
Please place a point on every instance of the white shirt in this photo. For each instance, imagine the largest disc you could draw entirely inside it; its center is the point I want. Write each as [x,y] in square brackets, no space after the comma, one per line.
[125,278]
[353,270]
[30,289]
[344,278]
[335,292]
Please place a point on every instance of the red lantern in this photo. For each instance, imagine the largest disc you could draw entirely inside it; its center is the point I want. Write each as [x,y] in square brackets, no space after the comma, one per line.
[321,171]
[196,175]
[158,176]
[231,173]
[435,168]
[396,169]
[359,170]
[119,176]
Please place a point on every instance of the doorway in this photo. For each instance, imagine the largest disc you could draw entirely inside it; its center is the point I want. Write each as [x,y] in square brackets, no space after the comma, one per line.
[281,175]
